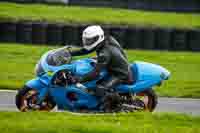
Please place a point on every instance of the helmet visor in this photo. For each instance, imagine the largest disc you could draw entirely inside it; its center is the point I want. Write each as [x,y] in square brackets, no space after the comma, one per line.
[90,41]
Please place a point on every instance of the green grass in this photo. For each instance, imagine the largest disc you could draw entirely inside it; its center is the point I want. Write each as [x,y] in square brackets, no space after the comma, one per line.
[18,61]
[65,14]
[43,122]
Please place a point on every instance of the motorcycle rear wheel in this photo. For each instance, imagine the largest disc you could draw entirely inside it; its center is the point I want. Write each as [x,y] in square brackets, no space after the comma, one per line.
[28,96]
[149,98]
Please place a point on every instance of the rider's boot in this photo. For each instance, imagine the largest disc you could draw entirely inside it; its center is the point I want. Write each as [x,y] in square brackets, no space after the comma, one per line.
[110,102]
[108,98]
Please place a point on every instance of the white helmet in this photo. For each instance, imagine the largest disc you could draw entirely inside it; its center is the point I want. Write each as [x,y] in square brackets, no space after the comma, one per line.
[92,36]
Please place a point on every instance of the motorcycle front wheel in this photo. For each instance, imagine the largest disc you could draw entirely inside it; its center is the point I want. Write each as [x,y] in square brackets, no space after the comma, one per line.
[26,99]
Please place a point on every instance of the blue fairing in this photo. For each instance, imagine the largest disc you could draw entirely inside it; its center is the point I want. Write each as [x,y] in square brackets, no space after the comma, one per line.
[59,95]
[146,76]
[83,98]
[35,83]
[39,85]
[83,67]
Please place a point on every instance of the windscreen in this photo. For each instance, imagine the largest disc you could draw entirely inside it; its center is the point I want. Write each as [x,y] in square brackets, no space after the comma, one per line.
[59,57]
[39,69]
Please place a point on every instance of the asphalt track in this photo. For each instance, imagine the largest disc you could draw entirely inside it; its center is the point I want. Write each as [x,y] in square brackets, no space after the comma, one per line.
[178,105]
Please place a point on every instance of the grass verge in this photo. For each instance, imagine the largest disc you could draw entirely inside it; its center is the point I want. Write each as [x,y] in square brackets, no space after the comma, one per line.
[18,61]
[43,122]
[66,14]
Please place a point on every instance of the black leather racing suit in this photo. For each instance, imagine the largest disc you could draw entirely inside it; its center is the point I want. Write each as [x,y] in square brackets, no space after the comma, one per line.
[111,56]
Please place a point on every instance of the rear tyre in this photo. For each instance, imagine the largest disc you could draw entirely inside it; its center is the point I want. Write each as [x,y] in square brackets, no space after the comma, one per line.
[27,97]
[150,99]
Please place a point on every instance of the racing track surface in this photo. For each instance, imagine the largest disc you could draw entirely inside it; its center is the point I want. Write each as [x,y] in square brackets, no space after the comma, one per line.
[179,105]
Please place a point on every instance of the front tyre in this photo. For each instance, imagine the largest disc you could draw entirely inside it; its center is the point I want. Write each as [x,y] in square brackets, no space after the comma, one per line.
[26,98]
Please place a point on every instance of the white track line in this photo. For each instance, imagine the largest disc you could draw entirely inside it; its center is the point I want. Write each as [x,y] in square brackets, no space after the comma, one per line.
[14,91]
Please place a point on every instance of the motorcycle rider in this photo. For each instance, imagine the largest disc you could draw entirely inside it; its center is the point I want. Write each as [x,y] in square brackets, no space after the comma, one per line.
[110,55]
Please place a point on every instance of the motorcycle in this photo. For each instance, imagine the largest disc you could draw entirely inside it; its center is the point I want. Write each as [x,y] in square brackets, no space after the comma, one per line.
[53,86]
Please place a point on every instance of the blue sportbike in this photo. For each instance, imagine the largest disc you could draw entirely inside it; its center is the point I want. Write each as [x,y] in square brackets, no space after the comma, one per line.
[54,86]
